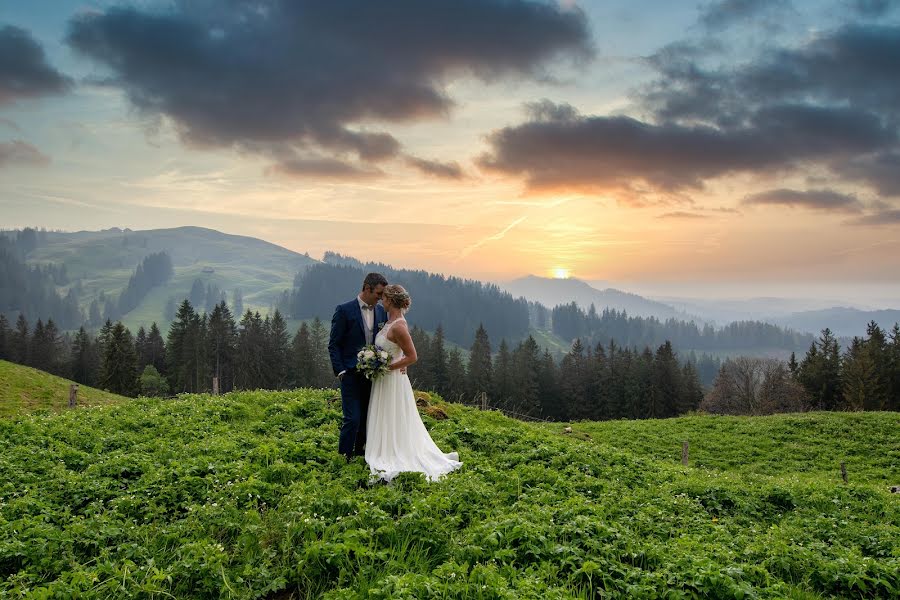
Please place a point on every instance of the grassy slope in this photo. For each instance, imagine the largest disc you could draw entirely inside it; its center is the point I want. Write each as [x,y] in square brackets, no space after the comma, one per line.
[106,260]
[244,496]
[23,389]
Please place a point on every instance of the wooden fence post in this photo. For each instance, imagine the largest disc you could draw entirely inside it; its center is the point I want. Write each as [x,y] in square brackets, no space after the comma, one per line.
[215,386]
[844,472]
[73,393]
[684,453]
[483,400]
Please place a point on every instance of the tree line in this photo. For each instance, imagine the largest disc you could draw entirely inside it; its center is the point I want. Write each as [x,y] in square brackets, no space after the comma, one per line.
[459,305]
[260,353]
[569,321]
[865,376]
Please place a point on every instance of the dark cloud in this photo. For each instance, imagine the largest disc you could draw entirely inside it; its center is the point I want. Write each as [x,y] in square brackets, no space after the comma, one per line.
[873,8]
[886,217]
[322,168]
[310,74]
[445,170]
[561,149]
[682,215]
[857,65]
[725,13]
[820,200]
[17,152]
[832,103]
[881,171]
[24,71]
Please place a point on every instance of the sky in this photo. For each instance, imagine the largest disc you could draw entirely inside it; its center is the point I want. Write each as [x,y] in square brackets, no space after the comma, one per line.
[743,147]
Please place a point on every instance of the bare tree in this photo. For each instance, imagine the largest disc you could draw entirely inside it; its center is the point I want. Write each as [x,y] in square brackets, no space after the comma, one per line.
[755,386]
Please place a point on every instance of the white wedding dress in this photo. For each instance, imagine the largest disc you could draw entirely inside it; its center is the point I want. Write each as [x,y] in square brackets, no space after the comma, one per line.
[396,438]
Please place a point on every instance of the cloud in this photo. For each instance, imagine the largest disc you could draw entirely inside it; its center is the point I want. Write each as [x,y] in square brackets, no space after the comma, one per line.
[820,200]
[21,153]
[873,8]
[24,71]
[448,170]
[564,150]
[311,74]
[880,170]
[831,103]
[679,214]
[722,14]
[329,168]
[883,217]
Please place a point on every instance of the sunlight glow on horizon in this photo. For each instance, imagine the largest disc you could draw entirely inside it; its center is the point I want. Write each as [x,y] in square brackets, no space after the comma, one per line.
[560,273]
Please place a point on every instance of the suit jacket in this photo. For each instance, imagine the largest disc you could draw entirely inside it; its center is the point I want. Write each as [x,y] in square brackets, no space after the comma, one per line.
[348,334]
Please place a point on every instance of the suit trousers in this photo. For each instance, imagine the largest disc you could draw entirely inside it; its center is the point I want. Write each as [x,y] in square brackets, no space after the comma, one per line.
[355,391]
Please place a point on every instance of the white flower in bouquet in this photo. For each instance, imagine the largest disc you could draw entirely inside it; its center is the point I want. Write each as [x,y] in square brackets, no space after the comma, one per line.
[373,362]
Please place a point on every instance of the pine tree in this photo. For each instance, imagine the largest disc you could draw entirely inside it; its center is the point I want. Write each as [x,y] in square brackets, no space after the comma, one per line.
[5,338]
[140,348]
[322,377]
[876,347]
[793,366]
[859,376]
[504,382]
[438,360]
[186,351]
[38,348]
[278,352]
[666,383]
[548,386]
[53,349]
[250,363]
[21,342]
[573,373]
[480,373]
[119,362]
[894,396]
[456,376]
[94,318]
[302,358]
[84,359]
[421,372]
[525,365]
[691,394]
[222,345]
[156,349]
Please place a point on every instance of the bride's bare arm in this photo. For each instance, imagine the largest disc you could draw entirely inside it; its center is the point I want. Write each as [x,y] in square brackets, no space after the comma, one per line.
[399,334]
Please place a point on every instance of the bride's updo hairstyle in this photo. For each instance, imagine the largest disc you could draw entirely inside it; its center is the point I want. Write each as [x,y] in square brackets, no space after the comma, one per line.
[398,296]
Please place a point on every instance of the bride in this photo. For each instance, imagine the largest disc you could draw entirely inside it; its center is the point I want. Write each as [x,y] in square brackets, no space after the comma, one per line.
[397,440]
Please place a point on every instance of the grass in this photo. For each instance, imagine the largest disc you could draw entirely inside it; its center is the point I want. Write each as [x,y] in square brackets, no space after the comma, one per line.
[24,390]
[810,446]
[244,496]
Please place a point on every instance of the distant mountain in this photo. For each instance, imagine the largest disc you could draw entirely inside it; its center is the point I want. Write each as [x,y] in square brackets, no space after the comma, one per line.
[103,261]
[843,321]
[553,292]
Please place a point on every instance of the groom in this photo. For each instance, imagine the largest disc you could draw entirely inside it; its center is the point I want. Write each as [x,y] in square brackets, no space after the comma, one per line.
[354,325]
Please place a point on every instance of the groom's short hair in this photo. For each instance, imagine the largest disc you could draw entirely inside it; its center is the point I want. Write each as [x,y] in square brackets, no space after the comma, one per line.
[373,280]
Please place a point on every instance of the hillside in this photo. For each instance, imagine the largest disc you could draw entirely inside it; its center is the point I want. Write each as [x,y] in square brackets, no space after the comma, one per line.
[23,390]
[552,292]
[244,496]
[104,261]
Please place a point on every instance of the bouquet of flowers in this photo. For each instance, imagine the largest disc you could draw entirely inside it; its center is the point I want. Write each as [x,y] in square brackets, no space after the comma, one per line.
[373,361]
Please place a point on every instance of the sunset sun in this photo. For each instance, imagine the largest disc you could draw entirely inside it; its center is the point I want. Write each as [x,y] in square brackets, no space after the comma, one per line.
[560,273]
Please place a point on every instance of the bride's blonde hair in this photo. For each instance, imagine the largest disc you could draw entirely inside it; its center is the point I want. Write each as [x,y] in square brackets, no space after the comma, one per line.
[398,296]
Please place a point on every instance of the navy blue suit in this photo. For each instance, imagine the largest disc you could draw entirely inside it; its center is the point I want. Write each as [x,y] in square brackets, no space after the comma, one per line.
[348,336]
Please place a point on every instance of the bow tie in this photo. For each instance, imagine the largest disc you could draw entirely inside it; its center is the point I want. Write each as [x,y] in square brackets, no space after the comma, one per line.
[367,307]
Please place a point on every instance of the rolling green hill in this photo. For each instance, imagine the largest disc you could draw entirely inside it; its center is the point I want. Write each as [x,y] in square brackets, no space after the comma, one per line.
[244,496]
[23,390]
[105,260]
